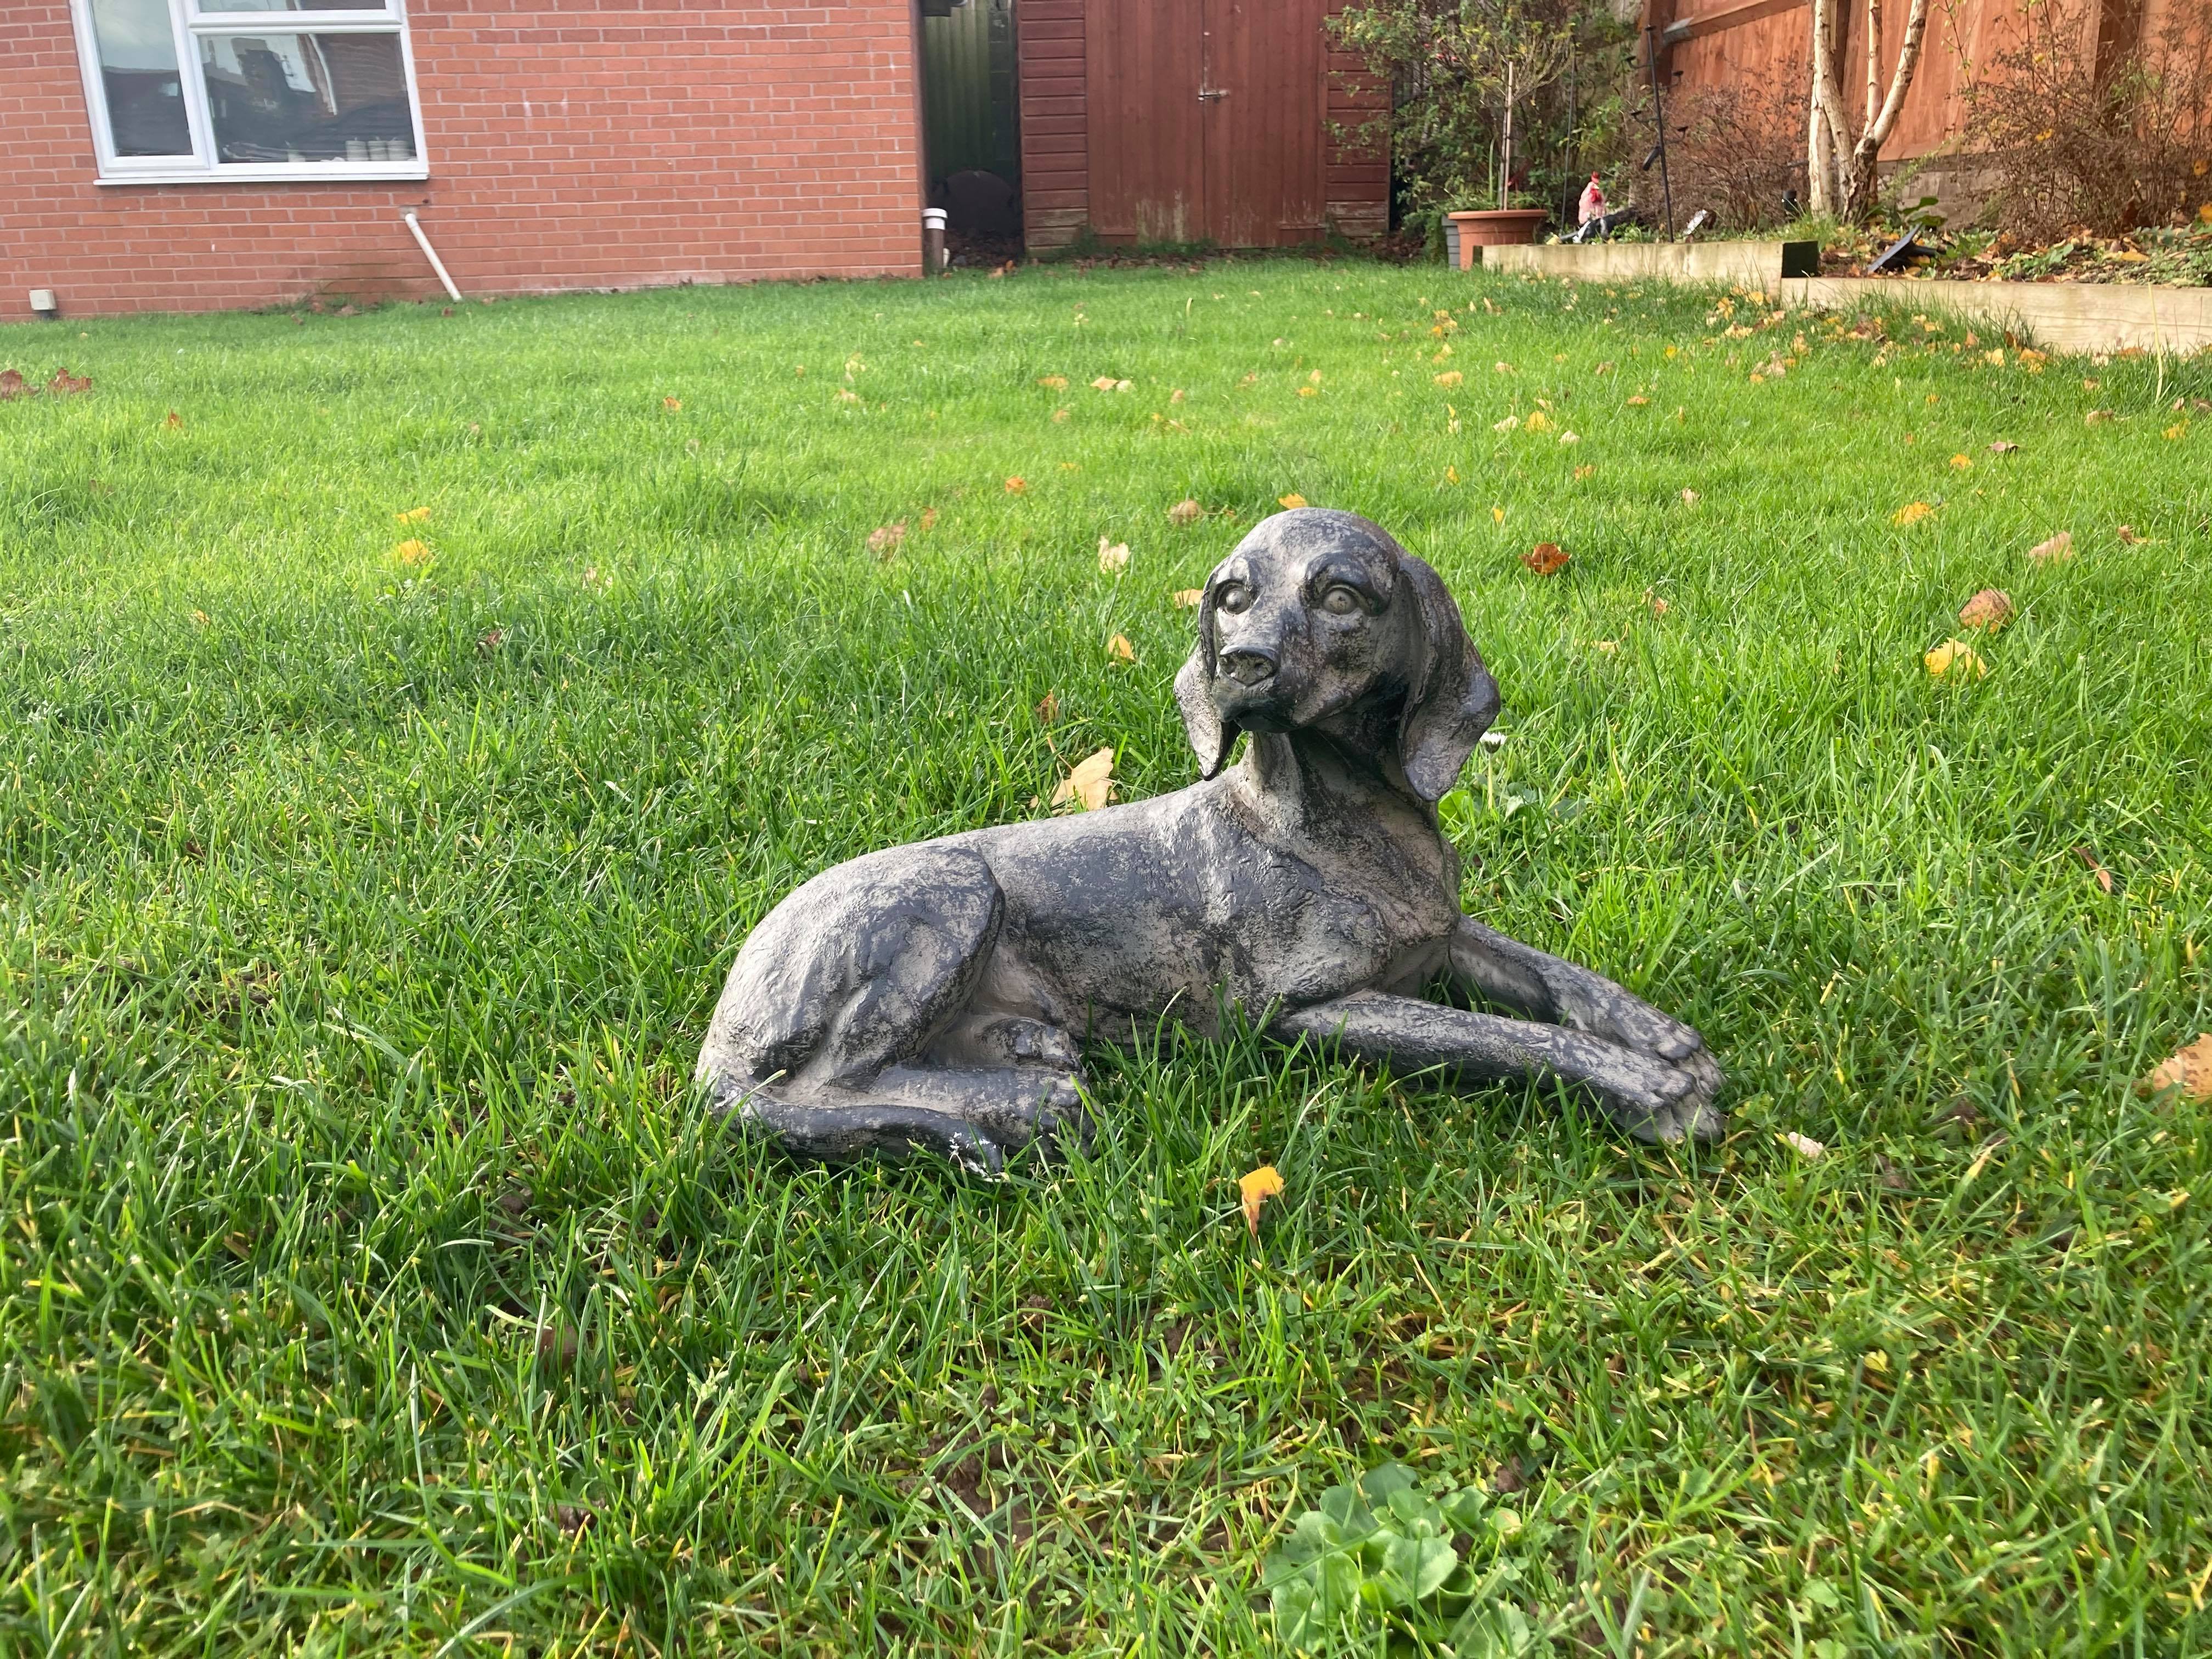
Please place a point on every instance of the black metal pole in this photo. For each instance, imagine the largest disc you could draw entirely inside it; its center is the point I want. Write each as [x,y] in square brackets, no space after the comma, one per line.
[1659,115]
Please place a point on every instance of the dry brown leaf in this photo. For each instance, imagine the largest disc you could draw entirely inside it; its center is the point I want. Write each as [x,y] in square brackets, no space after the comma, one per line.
[491,640]
[1113,557]
[2097,417]
[928,517]
[2056,550]
[1104,383]
[1508,424]
[1804,1146]
[2102,875]
[1184,512]
[1090,784]
[12,386]
[1184,598]
[2003,446]
[1449,377]
[174,421]
[1638,402]
[1584,471]
[847,395]
[1053,382]
[2188,1070]
[1546,558]
[1690,498]
[1048,708]
[1060,416]
[64,383]
[1017,486]
[1257,1188]
[1119,649]
[883,541]
[671,404]
[1293,501]
[2128,536]
[1176,396]
[1990,608]
[1955,659]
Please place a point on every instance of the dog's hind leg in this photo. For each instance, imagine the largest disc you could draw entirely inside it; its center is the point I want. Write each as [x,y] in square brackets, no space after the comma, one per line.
[844,1028]
[1647,1096]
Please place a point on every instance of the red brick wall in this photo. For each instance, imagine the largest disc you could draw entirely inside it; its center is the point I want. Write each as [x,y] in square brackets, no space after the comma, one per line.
[572,143]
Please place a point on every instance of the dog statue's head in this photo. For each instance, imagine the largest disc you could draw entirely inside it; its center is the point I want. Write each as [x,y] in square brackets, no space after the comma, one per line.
[1318,615]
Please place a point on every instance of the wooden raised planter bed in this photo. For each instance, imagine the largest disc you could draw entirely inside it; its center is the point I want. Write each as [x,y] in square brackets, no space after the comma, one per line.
[2062,316]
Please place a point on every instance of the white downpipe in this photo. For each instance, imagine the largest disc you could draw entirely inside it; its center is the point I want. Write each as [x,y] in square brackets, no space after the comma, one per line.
[431,253]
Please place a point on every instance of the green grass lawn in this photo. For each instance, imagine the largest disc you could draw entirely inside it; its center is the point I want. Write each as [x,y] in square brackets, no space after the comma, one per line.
[372,1281]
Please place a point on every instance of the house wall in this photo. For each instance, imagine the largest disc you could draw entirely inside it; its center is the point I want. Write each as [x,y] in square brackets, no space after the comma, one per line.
[572,143]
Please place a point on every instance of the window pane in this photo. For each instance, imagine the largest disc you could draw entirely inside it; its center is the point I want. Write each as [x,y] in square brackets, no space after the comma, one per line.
[139,71]
[307,97]
[216,8]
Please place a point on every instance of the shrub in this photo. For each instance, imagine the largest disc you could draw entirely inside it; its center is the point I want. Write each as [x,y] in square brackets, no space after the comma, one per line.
[2072,144]
[1736,146]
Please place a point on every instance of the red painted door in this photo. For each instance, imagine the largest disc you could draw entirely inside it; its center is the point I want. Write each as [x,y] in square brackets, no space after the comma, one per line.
[1205,120]
[1147,165]
[1264,100]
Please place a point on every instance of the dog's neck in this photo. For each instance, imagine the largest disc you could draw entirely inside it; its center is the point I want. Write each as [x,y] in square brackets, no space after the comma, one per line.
[1337,773]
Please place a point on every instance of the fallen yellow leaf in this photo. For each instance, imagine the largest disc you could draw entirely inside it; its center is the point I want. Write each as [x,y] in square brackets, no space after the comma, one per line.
[1584,472]
[1804,1146]
[1510,423]
[1910,512]
[1119,649]
[1113,557]
[671,404]
[1257,1188]
[1537,422]
[1184,597]
[1293,501]
[2189,1071]
[1017,486]
[1104,383]
[1053,382]
[1955,659]
[1961,463]
[1638,403]
[1497,516]
[413,515]
[1450,377]
[411,551]
[1089,784]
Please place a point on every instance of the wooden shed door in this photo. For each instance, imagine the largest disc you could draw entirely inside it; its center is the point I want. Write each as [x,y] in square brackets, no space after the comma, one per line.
[1205,120]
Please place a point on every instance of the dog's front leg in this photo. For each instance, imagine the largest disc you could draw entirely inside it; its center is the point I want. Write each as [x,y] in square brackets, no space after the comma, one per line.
[1543,987]
[1650,1098]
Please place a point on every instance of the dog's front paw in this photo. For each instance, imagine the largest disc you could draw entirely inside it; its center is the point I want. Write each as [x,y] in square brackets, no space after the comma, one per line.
[1658,1101]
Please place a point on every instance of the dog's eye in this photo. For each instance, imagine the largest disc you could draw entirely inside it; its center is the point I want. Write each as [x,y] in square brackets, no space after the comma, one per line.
[1340,601]
[1232,597]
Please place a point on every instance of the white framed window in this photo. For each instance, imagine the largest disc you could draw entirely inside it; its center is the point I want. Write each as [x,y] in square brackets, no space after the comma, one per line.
[185,91]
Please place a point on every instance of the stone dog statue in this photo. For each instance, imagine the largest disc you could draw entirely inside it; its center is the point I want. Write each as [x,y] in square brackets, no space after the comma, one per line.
[938,994]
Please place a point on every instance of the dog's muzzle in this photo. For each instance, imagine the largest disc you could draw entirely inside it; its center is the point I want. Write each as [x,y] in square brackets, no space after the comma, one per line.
[1250,667]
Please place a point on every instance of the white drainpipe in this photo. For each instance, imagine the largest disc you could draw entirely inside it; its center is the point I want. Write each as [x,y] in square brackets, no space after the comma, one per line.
[431,254]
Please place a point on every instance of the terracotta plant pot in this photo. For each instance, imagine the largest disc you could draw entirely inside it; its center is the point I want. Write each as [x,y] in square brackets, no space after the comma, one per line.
[1495,228]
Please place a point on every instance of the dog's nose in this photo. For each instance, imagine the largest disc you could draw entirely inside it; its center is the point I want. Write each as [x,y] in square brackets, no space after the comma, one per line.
[1248,665]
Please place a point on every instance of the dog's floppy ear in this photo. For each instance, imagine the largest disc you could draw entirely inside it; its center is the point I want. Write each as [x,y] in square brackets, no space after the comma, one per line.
[1211,737]
[1453,699]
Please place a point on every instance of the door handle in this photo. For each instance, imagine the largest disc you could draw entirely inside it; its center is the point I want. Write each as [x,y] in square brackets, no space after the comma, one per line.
[1207,94]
